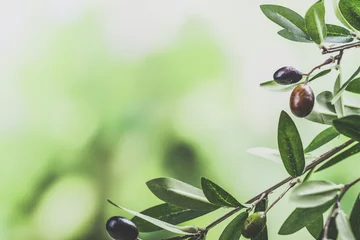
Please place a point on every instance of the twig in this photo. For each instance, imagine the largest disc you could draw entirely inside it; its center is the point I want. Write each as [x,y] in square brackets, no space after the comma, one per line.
[291,185]
[340,48]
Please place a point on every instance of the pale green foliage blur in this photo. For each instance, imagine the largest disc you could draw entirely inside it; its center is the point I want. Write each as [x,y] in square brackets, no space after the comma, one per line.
[98,97]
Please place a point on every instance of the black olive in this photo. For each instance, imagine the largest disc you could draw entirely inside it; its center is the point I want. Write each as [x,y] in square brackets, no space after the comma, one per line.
[254,224]
[302,101]
[287,75]
[120,228]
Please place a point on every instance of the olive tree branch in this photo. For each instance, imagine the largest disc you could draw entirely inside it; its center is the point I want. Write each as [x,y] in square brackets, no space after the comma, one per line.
[340,48]
[337,206]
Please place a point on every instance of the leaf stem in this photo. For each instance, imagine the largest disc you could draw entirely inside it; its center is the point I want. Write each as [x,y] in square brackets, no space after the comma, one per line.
[337,206]
[341,47]
[291,185]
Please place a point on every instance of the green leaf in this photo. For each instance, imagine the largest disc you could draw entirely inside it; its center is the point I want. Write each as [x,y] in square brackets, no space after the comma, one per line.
[271,154]
[322,118]
[293,37]
[340,90]
[290,146]
[343,226]
[340,157]
[275,87]
[217,195]
[332,231]
[321,139]
[355,218]
[234,228]
[338,104]
[314,193]
[286,18]
[180,194]
[340,16]
[261,207]
[166,213]
[337,34]
[315,228]
[320,74]
[186,230]
[324,100]
[302,217]
[351,12]
[354,86]
[351,110]
[349,126]
[315,22]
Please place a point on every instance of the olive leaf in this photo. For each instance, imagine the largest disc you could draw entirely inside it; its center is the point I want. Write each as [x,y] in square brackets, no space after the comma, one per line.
[324,99]
[340,16]
[315,22]
[275,87]
[314,193]
[321,139]
[315,228]
[290,146]
[180,194]
[337,34]
[301,217]
[354,86]
[320,117]
[338,104]
[186,230]
[261,207]
[320,74]
[343,226]
[348,126]
[217,195]
[339,90]
[294,37]
[167,213]
[351,12]
[340,157]
[233,230]
[332,231]
[355,218]
[286,18]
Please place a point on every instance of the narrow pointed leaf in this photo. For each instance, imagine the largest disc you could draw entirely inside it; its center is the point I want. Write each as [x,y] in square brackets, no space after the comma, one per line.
[343,226]
[294,37]
[166,213]
[340,16]
[349,126]
[316,227]
[351,12]
[186,230]
[286,18]
[355,218]
[341,89]
[314,193]
[338,34]
[321,139]
[315,22]
[290,146]
[320,117]
[302,217]
[233,229]
[261,207]
[320,74]
[217,195]
[275,87]
[180,194]
[338,104]
[340,157]
[354,86]
[324,100]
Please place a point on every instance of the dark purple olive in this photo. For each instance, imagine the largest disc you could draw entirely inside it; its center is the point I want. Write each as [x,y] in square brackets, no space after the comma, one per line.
[120,228]
[253,225]
[302,100]
[287,75]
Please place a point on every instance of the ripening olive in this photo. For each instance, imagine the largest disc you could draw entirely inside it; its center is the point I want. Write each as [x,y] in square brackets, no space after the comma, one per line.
[302,100]
[254,224]
[287,75]
[120,228]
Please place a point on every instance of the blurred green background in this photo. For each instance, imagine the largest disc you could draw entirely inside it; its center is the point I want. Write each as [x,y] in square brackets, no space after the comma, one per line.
[97,97]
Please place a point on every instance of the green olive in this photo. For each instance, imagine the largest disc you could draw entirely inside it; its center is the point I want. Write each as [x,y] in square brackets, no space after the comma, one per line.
[254,224]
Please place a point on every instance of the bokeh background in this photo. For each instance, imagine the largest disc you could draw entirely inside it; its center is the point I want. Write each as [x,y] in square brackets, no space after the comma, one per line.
[99,96]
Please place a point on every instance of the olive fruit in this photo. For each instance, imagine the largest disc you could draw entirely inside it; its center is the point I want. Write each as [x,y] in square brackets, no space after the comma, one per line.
[120,228]
[302,100]
[254,224]
[287,75]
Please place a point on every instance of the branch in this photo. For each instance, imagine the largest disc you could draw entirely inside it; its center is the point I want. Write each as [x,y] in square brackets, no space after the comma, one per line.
[340,48]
